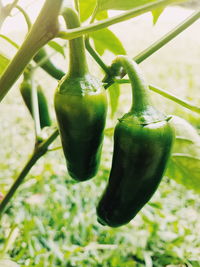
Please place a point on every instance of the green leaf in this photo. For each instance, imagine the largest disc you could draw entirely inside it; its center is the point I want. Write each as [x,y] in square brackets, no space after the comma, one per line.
[185,170]
[57,47]
[86,8]
[114,93]
[3,63]
[9,40]
[184,165]
[102,15]
[128,4]
[156,14]
[8,263]
[107,40]
[121,4]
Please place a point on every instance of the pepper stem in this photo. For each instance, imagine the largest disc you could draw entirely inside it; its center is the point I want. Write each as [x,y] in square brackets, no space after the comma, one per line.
[77,57]
[140,89]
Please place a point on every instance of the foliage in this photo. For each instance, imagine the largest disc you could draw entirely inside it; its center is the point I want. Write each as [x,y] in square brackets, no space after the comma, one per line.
[184,165]
[52,220]
[3,62]
[57,225]
[105,39]
[121,5]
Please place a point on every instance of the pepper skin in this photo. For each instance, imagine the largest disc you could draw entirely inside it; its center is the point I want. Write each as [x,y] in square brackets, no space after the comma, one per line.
[81,107]
[47,65]
[143,139]
[25,89]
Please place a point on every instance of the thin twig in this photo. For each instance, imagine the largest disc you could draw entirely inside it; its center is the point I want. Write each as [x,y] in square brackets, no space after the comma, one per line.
[39,151]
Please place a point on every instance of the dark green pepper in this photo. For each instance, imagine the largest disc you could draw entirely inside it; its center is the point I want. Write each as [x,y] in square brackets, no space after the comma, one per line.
[25,89]
[143,139]
[47,65]
[81,107]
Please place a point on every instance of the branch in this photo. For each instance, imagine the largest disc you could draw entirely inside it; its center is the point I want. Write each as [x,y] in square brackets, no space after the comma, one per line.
[174,98]
[168,37]
[5,11]
[162,92]
[26,17]
[39,151]
[158,44]
[44,29]
[96,56]
[71,34]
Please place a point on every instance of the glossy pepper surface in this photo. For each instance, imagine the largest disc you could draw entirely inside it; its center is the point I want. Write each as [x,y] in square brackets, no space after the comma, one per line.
[142,143]
[81,107]
[25,89]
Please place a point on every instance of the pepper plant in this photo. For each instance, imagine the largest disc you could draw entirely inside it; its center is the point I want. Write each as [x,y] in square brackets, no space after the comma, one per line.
[31,54]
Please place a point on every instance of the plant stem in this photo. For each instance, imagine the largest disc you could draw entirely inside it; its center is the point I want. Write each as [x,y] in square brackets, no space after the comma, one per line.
[138,83]
[168,37]
[39,151]
[167,95]
[121,81]
[5,11]
[76,3]
[96,57]
[9,41]
[42,60]
[90,49]
[44,29]
[71,34]
[18,181]
[174,98]
[26,16]
[94,13]
[77,57]
[158,44]
[9,241]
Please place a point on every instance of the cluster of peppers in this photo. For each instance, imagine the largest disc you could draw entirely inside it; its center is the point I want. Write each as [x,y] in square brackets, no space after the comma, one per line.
[143,137]
[26,93]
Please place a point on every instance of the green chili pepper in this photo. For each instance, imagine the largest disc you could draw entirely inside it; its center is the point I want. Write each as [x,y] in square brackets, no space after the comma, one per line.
[81,107]
[25,89]
[143,139]
[47,65]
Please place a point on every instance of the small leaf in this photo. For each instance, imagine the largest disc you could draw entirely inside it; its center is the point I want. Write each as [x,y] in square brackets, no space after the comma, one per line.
[121,4]
[8,263]
[125,4]
[86,9]
[156,14]
[102,15]
[107,40]
[184,130]
[57,47]
[184,165]
[3,63]
[185,169]
[114,93]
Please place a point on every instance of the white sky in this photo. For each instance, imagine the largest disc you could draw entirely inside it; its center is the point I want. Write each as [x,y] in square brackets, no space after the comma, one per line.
[32,7]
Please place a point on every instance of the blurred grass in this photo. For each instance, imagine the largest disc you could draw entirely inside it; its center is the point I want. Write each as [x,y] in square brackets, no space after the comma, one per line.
[55,216]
